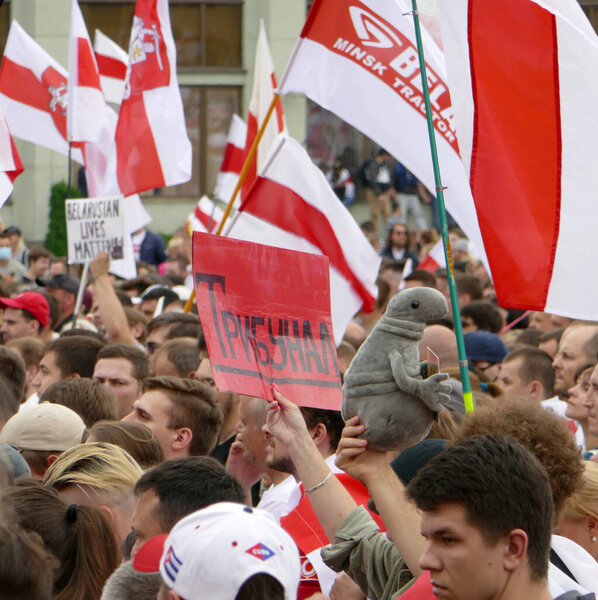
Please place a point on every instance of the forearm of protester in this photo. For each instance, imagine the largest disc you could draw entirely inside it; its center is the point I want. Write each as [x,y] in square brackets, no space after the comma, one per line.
[329,499]
[111,310]
[372,468]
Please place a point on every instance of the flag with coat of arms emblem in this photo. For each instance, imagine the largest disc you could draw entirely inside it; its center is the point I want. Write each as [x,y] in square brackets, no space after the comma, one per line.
[152,146]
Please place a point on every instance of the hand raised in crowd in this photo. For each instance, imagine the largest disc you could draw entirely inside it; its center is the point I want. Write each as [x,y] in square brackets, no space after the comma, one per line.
[100,264]
[284,420]
[344,588]
[354,457]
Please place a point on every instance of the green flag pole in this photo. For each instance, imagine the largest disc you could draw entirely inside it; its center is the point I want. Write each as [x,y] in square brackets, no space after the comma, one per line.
[467,395]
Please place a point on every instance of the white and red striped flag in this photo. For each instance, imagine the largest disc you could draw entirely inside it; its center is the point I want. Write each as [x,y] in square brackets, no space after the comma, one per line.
[112,65]
[232,161]
[523,84]
[358,59]
[206,216]
[264,84]
[292,206]
[434,260]
[10,161]
[33,93]
[152,146]
[86,115]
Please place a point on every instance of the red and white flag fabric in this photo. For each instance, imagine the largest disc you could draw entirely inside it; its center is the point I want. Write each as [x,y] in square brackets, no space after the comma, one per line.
[34,93]
[206,216]
[523,84]
[232,161]
[435,259]
[10,161]
[262,95]
[292,206]
[86,115]
[358,59]
[152,146]
[112,63]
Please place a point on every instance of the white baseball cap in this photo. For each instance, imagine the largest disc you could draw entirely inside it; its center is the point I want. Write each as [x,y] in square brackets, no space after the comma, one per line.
[214,551]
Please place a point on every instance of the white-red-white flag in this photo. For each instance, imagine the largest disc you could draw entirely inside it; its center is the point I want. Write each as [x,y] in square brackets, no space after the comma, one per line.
[232,161]
[33,93]
[434,260]
[10,161]
[86,115]
[522,80]
[358,59]
[206,216]
[262,95]
[112,65]
[292,206]
[152,146]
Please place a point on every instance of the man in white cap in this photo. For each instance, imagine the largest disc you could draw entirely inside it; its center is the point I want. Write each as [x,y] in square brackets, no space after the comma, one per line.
[42,433]
[229,551]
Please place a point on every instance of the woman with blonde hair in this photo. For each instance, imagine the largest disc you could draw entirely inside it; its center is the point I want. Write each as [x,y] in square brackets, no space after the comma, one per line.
[579,517]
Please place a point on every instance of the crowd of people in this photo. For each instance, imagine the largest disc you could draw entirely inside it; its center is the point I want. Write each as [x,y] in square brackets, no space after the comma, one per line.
[125,473]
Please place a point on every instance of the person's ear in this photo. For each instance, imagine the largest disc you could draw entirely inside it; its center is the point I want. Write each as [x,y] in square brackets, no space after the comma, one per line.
[535,389]
[319,434]
[516,548]
[107,512]
[182,439]
[592,525]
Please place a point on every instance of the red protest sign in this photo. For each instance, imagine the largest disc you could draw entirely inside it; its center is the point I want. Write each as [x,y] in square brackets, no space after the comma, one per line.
[265,313]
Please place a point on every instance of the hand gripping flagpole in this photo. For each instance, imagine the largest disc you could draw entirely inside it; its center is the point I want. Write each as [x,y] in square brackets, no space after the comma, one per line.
[242,176]
[467,395]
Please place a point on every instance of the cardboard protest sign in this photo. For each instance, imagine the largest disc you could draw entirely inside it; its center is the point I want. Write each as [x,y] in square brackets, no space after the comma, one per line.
[94,224]
[265,313]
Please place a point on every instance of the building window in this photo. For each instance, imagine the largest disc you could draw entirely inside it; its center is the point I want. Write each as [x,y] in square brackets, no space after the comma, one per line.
[207,34]
[208,111]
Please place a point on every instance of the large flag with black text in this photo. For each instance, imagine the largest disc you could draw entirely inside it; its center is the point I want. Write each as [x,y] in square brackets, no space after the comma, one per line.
[292,206]
[152,146]
[523,81]
[86,115]
[358,59]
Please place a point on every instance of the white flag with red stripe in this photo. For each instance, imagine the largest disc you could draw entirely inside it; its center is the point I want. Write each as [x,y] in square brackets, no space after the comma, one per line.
[292,206]
[232,161]
[152,146]
[206,216]
[522,75]
[262,95]
[33,93]
[434,260]
[359,60]
[86,116]
[112,63]
[10,161]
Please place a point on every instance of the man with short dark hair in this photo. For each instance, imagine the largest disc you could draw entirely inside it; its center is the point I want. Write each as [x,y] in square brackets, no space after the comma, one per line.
[176,488]
[487,515]
[24,316]
[177,357]
[183,414]
[151,296]
[39,263]
[122,368]
[527,372]
[64,288]
[65,358]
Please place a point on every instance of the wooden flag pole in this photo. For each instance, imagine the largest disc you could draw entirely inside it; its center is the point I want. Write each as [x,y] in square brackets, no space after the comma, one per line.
[467,395]
[248,160]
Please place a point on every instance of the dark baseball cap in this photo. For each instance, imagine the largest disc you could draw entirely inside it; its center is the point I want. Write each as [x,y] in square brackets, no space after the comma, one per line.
[32,302]
[61,281]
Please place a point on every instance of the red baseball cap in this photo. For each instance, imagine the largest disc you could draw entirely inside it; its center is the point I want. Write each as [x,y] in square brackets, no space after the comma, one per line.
[147,559]
[32,302]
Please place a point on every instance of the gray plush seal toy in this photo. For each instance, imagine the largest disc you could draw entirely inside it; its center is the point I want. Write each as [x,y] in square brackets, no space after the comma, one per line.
[383,384]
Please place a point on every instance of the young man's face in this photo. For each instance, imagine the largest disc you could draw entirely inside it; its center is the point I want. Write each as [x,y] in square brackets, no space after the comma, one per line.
[462,565]
[49,373]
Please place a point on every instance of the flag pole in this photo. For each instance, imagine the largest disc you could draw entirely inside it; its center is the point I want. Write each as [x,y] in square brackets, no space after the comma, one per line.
[242,176]
[68,178]
[467,395]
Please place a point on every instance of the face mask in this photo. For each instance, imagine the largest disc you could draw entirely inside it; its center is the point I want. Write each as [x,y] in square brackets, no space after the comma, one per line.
[5,253]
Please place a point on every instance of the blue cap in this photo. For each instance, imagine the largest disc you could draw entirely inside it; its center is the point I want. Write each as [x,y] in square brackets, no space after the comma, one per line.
[483,345]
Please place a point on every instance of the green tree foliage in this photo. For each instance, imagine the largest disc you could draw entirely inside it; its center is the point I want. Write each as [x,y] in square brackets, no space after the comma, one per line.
[56,236]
